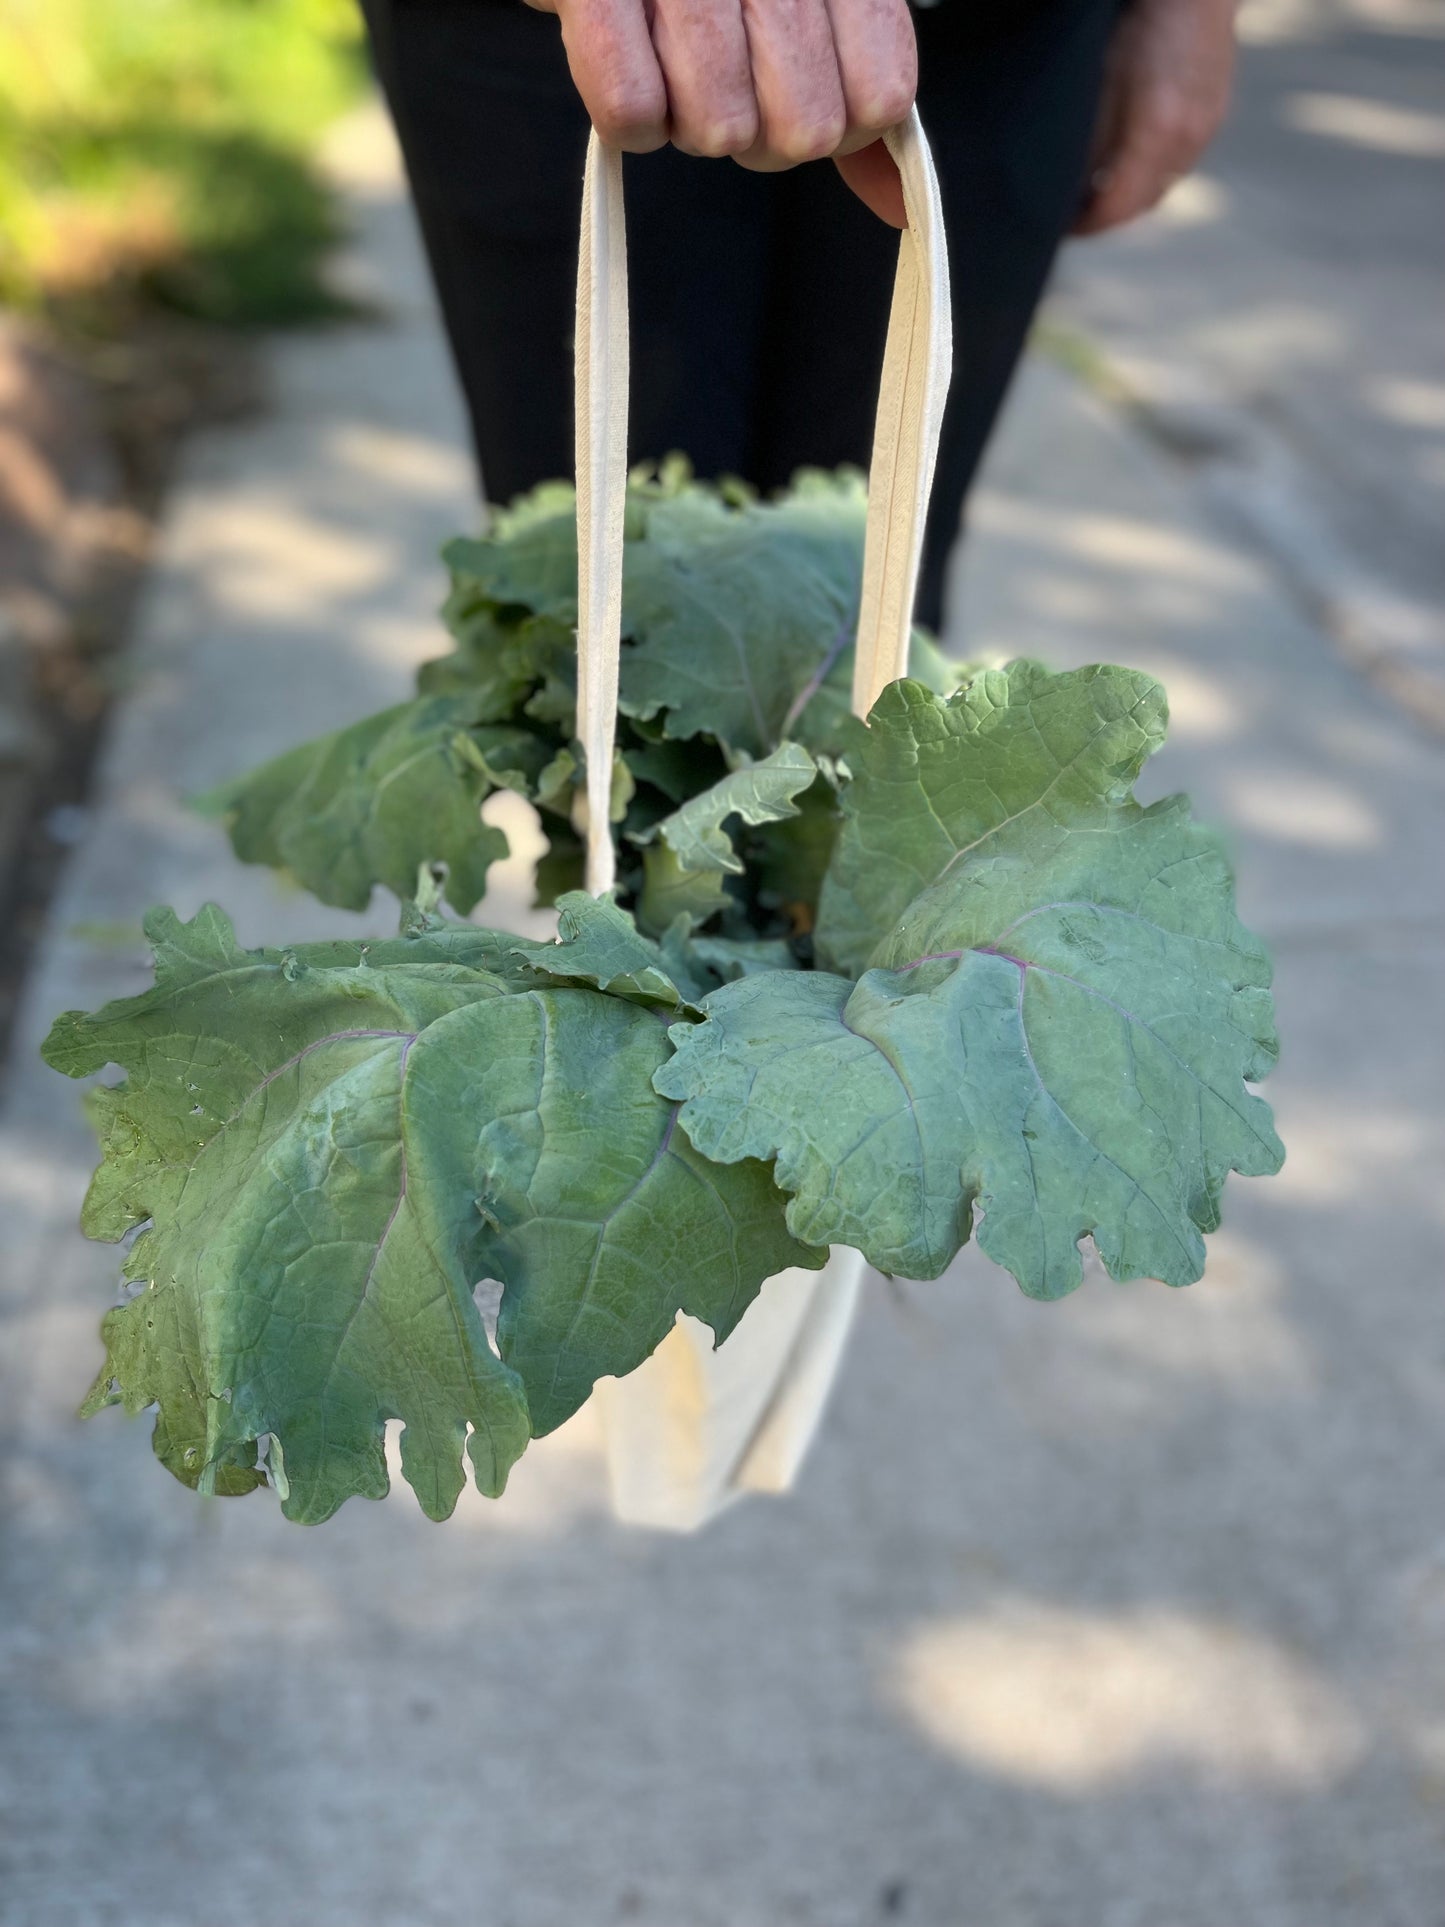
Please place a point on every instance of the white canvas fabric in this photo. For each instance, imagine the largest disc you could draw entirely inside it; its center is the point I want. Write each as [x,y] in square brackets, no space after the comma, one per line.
[601,430]
[695,1427]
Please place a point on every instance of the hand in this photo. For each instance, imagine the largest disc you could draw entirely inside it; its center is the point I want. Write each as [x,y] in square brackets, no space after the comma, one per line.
[1166,92]
[773,83]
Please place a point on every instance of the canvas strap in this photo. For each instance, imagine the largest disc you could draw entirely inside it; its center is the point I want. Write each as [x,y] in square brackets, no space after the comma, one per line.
[916,368]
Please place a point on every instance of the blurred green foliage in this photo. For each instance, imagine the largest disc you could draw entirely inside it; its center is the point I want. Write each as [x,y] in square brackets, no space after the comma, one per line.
[158,152]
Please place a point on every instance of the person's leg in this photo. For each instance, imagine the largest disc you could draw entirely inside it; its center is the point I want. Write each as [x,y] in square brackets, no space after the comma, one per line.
[1008,92]
[697,269]
[829,289]
[759,302]
[494,138]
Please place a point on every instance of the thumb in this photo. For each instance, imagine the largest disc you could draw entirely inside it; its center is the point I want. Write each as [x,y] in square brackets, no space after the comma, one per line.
[873,176]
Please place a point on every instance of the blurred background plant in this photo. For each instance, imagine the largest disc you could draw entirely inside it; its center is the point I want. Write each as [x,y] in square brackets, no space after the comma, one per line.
[156,156]
[161,204]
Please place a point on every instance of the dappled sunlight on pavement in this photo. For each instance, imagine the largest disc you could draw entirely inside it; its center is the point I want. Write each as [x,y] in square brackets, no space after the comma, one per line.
[1079,1700]
[1279,324]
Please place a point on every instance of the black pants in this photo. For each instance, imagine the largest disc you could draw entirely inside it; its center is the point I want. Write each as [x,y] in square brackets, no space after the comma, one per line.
[759,302]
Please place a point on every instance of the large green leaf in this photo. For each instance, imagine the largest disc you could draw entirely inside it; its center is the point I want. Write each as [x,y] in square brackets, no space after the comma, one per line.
[1061,1021]
[375,802]
[734,612]
[565,1176]
[285,1286]
[739,615]
[1021,749]
[332,1145]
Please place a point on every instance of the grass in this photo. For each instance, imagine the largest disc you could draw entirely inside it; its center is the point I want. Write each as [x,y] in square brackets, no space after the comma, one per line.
[157,154]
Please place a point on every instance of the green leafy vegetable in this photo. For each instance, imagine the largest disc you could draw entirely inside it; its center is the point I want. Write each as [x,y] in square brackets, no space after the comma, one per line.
[564,1176]
[286,1286]
[757,792]
[376,802]
[332,1145]
[599,944]
[1062,1015]
[736,612]
[738,618]
[1041,756]
[857,984]
[692,853]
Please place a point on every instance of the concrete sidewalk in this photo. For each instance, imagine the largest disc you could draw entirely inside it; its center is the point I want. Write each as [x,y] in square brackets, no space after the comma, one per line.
[1278,324]
[1125,1612]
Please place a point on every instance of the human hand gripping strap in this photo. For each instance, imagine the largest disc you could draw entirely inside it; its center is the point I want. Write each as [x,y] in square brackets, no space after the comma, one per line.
[916,367]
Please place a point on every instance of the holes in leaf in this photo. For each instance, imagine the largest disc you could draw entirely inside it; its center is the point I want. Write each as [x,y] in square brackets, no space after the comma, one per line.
[271,1464]
[488,1298]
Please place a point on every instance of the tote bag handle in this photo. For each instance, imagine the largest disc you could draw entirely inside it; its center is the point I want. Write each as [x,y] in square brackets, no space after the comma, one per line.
[914,385]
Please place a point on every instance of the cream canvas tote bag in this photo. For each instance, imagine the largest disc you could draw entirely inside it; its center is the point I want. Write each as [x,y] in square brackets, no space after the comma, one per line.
[695,1427]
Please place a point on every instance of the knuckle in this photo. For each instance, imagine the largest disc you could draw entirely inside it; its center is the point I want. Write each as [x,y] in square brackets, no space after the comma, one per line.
[1181,125]
[812,139]
[721,138]
[626,115]
[888,104]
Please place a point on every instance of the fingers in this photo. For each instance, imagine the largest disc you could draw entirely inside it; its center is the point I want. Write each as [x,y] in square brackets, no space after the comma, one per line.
[830,77]
[615,70]
[702,49]
[1160,136]
[801,111]
[1165,96]
[772,82]
[877,65]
